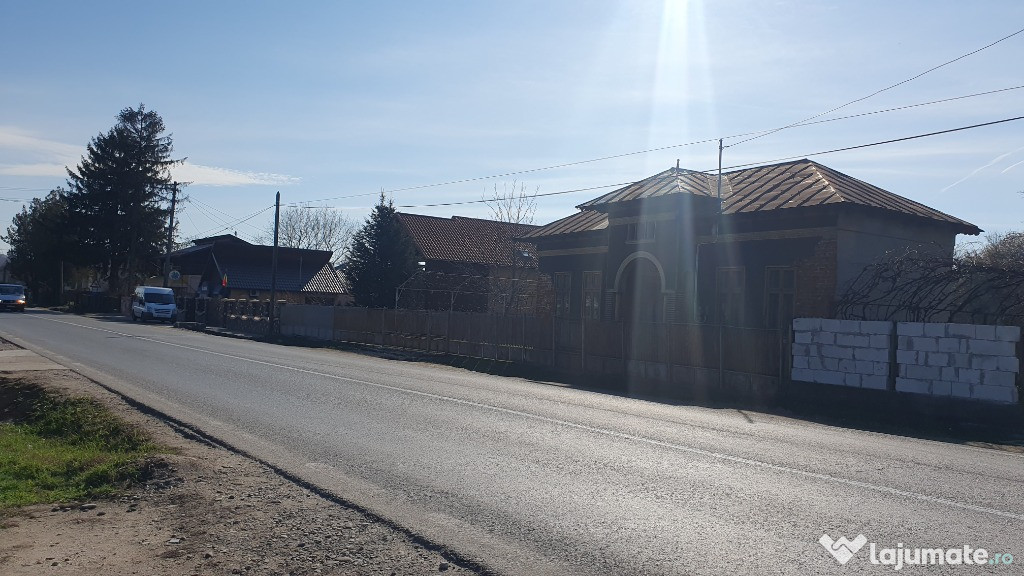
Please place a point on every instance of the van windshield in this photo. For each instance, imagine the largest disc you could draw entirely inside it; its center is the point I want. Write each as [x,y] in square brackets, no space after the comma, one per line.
[10,290]
[157,298]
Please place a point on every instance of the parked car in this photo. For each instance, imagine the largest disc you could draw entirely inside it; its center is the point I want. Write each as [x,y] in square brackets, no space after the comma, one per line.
[12,297]
[154,303]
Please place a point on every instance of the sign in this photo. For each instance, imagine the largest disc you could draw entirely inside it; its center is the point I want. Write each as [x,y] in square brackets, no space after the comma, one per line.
[224,281]
[175,275]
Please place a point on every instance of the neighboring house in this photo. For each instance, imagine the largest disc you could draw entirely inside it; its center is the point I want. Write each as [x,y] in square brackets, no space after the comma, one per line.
[303,276]
[471,265]
[784,242]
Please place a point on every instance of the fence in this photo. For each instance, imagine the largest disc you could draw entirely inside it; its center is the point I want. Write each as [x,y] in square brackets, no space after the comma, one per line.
[663,358]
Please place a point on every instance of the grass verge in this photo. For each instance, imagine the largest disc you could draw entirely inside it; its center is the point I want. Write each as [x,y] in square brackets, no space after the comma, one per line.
[57,449]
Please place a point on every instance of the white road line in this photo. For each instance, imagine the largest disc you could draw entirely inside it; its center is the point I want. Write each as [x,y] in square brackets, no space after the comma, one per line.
[592,429]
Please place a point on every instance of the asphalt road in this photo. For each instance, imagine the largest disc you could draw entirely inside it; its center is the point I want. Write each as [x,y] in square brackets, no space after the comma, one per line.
[533,478]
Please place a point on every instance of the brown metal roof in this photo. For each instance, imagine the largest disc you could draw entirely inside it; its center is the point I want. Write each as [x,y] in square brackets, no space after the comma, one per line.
[582,221]
[671,181]
[470,240]
[778,186]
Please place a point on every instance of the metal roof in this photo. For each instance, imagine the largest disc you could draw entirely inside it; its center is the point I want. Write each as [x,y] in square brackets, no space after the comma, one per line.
[787,185]
[583,221]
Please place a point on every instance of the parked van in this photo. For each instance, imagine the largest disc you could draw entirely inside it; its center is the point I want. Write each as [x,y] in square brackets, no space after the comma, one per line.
[154,303]
[12,297]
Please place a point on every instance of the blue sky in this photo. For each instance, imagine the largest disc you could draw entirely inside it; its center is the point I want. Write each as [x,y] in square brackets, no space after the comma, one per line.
[340,99]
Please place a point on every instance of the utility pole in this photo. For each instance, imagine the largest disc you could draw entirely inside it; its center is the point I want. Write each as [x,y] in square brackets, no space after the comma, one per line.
[170,233]
[273,265]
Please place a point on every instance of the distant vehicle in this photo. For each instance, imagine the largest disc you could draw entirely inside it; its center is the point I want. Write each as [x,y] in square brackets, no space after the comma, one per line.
[154,303]
[12,297]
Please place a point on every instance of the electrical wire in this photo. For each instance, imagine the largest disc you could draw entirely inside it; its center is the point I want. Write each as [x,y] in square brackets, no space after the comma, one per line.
[218,230]
[877,92]
[758,133]
[763,162]
[904,139]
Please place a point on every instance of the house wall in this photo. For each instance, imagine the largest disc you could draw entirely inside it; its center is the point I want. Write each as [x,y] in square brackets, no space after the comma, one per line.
[865,237]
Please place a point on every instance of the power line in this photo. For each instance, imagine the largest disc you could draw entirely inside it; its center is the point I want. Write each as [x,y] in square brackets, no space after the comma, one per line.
[218,230]
[758,133]
[763,162]
[559,193]
[873,144]
[877,92]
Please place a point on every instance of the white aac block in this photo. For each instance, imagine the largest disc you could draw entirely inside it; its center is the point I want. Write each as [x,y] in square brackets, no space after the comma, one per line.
[1009,364]
[960,390]
[985,362]
[907,356]
[984,332]
[853,380]
[937,330]
[949,344]
[823,337]
[963,330]
[801,362]
[806,324]
[968,376]
[872,354]
[913,386]
[924,344]
[994,393]
[998,378]
[831,325]
[924,372]
[876,327]
[802,337]
[937,359]
[991,348]
[910,329]
[880,341]
[874,382]
[803,375]
[1008,333]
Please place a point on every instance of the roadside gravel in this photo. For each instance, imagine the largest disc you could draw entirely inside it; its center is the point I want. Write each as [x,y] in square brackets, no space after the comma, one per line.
[202,510]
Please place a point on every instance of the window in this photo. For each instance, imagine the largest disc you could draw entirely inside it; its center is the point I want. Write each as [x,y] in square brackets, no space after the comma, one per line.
[780,288]
[730,296]
[563,283]
[641,231]
[592,295]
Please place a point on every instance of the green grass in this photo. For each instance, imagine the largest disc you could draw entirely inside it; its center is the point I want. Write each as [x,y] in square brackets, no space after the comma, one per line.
[66,449]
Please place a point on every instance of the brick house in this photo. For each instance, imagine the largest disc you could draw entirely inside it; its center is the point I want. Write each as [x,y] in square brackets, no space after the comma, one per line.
[783,242]
[471,265]
[303,276]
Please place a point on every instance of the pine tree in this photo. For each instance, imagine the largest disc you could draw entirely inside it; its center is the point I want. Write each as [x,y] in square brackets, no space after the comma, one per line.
[382,257]
[119,196]
[40,241]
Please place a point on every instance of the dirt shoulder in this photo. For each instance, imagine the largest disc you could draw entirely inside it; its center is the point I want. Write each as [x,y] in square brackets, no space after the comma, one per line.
[202,510]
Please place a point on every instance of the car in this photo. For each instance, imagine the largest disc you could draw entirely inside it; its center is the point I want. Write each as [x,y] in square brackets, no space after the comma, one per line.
[154,303]
[12,297]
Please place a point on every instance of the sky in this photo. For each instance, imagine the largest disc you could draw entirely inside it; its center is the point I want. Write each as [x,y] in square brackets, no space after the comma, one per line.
[330,102]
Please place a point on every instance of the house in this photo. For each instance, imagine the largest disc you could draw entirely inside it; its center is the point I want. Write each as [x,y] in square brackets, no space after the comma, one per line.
[233,268]
[471,265]
[776,242]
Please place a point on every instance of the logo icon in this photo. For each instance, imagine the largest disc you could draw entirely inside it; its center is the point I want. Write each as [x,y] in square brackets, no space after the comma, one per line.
[843,549]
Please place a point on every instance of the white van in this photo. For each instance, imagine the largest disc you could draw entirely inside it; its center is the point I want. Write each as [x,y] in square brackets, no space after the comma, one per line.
[154,303]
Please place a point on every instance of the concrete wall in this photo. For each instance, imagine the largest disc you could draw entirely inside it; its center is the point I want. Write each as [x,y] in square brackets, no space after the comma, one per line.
[959,361]
[842,352]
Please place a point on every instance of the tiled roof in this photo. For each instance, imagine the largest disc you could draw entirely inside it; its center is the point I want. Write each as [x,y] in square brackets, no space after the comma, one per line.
[468,240]
[583,221]
[290,278]
[778,186]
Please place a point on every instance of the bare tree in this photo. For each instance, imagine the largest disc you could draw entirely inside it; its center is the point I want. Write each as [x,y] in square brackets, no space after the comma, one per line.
[314,228]
[514,277]
[980,284]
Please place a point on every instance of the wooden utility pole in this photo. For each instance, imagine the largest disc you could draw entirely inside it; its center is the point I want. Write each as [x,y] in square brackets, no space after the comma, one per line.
[170,234]
[273,265]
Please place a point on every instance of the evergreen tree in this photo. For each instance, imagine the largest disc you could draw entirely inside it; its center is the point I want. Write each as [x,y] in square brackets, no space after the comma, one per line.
[40,241]
[381,258]
[119,197]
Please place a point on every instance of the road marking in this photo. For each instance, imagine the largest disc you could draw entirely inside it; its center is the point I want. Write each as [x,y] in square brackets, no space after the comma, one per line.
[593,429]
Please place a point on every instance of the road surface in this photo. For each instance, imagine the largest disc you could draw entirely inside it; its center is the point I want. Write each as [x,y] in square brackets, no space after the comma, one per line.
[533,478]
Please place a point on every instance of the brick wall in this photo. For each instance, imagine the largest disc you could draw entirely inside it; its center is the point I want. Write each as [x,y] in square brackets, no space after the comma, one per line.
[960,361]
[816,281]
